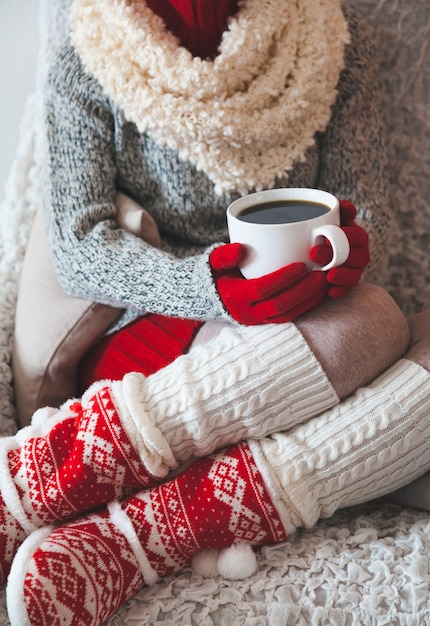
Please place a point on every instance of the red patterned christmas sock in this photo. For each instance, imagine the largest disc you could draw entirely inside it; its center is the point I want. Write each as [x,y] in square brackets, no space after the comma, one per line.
[85,570]
[145,346]
[11,537]
[77,459]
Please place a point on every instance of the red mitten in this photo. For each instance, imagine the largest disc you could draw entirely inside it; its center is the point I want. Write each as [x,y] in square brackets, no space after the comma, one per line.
[342,278]
[278,297]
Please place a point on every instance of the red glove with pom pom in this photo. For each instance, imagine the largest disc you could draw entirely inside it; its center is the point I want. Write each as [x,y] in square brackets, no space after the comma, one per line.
[342,278]
[278,297]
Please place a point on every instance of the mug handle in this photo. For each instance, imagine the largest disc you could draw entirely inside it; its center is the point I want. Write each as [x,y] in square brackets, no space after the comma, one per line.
[339,243]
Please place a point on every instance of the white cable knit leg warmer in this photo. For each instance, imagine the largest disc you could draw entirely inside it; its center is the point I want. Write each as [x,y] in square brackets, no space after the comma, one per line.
[371,444]
[247,382]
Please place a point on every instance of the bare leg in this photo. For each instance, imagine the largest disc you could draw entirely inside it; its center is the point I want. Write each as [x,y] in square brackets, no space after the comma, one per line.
[357,337]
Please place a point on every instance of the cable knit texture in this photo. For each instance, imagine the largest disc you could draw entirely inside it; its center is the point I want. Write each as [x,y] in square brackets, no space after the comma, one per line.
[70,460]
[365,565]
[84,571]
[238,385]
[361,449]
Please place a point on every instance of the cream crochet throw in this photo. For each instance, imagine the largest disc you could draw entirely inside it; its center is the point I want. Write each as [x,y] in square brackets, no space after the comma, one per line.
[258,104]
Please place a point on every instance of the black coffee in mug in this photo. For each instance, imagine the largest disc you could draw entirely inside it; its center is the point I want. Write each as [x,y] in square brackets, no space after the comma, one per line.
[282,212]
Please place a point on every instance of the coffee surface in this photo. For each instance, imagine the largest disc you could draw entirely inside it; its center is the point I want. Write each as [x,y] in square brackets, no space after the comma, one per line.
[282,212]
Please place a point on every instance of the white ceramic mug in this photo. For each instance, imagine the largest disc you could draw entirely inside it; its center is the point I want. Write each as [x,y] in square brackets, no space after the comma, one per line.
[272,246]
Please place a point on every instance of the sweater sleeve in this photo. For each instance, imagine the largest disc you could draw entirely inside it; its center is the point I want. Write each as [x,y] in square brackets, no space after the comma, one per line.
[93,257]
[353,162]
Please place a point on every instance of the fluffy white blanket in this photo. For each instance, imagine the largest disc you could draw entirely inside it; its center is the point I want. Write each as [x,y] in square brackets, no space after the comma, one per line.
[367,565]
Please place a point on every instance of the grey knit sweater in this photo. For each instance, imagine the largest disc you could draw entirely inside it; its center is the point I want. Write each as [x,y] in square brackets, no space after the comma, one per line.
[93,151]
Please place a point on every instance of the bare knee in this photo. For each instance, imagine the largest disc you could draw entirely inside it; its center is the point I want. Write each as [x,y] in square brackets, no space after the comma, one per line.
[357,337]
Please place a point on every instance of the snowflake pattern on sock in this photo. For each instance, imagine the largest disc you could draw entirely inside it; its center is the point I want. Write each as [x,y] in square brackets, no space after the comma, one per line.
[84,461]
[85,570]
[11,537]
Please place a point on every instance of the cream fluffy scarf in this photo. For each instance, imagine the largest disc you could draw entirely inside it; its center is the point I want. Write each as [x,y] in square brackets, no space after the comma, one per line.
[244,118]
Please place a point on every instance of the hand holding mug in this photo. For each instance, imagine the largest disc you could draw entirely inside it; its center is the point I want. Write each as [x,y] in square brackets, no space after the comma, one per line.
[278,297]
[342,278]
[295,285]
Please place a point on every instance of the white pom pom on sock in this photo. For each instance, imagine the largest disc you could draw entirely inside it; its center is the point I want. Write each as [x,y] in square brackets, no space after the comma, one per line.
[237,562]
[233,563]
